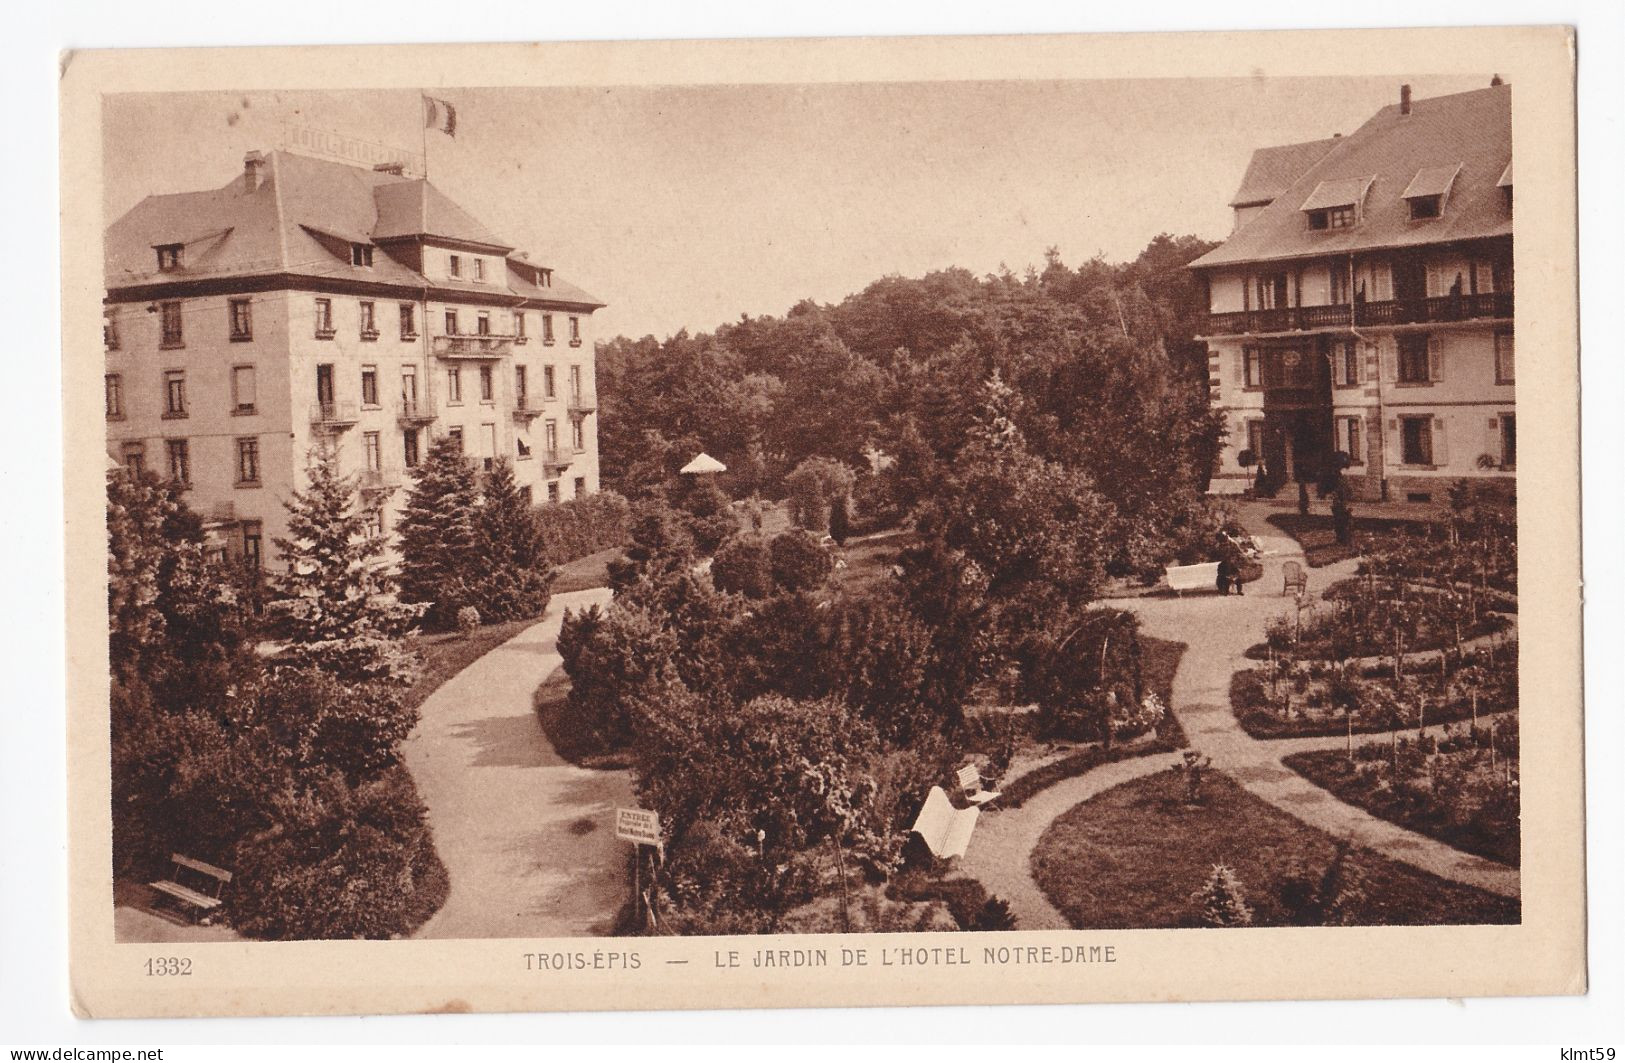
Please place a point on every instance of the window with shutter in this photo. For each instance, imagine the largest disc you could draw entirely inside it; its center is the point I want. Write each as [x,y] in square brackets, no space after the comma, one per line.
[1441,452]
[1435,359]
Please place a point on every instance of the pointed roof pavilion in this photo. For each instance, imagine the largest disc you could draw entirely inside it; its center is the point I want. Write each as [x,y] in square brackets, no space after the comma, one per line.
[703,464]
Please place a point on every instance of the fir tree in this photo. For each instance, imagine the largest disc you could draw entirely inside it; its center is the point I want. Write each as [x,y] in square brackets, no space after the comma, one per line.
[437,533]
[1222,901]
[337,605]
[514,580]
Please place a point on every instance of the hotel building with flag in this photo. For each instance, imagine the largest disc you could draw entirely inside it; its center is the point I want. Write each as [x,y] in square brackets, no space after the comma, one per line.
[309,301]
[1361,311]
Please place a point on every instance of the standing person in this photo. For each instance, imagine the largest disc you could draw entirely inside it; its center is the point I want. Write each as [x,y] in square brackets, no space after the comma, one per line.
[1227,576]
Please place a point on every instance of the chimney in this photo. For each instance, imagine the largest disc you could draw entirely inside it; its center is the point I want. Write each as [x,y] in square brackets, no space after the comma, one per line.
[1495,81]
[1404,99]
[253,168]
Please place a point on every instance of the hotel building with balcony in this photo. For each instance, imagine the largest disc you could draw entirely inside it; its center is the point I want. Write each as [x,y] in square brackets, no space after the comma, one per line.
[1361,311]
[309,301]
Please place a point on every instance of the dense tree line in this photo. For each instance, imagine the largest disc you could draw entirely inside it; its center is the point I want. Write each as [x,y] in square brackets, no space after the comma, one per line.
[1108,381]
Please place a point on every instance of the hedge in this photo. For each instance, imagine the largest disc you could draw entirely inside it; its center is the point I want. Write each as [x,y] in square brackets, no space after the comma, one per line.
[583,525]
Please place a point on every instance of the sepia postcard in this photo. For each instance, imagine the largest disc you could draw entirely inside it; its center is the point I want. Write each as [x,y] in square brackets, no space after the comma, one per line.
[812,523]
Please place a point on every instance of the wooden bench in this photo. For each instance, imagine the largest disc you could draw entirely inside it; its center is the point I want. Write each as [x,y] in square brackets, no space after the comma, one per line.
[1182,578]
[945,829]
[970,780]
[207,876]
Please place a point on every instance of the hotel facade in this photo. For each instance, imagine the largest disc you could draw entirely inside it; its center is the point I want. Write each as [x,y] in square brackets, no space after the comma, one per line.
[1361,311]
[310,302]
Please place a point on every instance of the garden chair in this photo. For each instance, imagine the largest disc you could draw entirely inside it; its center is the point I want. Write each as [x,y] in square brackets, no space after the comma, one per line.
[1293,579]
[970,780]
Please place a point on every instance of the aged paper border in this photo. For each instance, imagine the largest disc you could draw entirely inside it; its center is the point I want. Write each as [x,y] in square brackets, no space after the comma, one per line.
[1545,954]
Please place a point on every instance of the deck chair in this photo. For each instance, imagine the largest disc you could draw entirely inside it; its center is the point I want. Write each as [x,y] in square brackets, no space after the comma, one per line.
[1293,578]
[970,780]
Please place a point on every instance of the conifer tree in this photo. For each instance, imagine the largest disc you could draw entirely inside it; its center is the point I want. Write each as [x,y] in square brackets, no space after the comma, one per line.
[337,601]
[514,580]
[437,533]
[1222,901]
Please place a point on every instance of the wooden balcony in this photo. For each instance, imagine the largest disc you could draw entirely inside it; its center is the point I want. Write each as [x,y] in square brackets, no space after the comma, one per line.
[478,346]
[1441,308]
[333,415]
[1484,306]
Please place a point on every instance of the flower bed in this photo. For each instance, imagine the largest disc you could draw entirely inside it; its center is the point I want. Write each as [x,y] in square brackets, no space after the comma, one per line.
[1453,789]
[1315,698]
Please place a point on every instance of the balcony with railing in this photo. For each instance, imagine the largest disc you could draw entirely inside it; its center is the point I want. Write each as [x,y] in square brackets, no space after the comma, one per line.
[335,415]
[526,409]
[478,345]
[414,414]
[378,479]
[553,460]
[581,404]
[1482,306]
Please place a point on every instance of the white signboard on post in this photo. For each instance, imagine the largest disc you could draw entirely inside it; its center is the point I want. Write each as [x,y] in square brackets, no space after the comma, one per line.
[637,825]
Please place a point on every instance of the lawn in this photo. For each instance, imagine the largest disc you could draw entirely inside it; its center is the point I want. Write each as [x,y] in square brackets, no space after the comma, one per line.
[1319,542]
[1131,858]
[870,560]
[585,573]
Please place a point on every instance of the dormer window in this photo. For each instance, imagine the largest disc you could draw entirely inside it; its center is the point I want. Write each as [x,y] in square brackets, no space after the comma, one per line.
[544,278]
[361,255]
[1423,207]
[169,257]
[1333,218]
[1336,204]
[1428,190]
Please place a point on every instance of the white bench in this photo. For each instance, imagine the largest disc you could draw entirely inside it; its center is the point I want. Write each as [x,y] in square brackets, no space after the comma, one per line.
[945,829]
[970,780]
[1182,578]
[206,875]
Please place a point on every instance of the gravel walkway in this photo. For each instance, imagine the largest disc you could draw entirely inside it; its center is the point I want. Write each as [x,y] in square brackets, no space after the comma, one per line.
[526,836]
[1217,631]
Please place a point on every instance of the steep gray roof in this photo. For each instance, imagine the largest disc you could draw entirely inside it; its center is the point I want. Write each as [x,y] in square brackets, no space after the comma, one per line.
[1467,135]
[301,220]
[1272,170]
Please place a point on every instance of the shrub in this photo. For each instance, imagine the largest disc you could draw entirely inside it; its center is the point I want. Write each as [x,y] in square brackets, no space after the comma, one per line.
[840,520]
[468,619]
[338,863]
[799,562]
[815,486]
[610,657]
[584,525]
[744,565]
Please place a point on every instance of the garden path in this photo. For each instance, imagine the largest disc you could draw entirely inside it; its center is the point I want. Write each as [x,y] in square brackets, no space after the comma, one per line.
[1217,631]
[526,836]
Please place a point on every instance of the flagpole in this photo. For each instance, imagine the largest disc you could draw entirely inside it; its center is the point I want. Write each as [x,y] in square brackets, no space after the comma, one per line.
[423,124]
